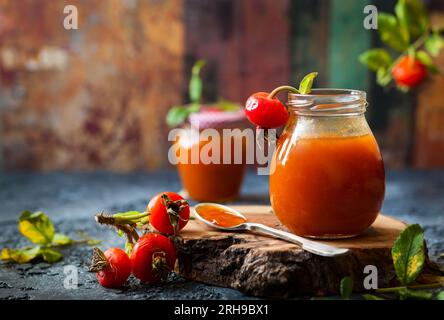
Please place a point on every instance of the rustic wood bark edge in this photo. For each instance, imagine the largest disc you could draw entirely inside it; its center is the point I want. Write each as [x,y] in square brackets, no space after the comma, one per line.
[271,268]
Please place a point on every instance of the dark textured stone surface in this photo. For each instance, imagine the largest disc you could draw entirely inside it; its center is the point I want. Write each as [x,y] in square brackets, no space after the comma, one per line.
[71,200]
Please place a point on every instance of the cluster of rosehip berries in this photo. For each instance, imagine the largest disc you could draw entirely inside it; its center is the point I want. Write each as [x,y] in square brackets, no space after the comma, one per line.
[151,257]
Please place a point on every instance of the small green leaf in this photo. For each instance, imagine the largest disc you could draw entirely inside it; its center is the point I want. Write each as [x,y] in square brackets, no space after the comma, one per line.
[383,77]
[434,44]
[426,60]
[20,255]
[440,295]
[307,83]
[391,32]
[50,255]
[88,239]
[408,254]
[376,59]
[372,297]
[405,294]
[177,115]
[226,105]
[346,287]
[412,17]
[36,227]
[195,86]
[61,239]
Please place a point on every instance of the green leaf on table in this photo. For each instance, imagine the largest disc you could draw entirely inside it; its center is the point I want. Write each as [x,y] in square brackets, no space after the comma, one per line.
[391,32]
[440,295]
[88,239]
[372,297]
[405,294]
[426,60]
[26,255]
[36,227]
[412,17]
[376,59]
[50,255]
[434,44]
[346,287]
[408,254]
[307,83]
[20,255]
[195,86]
[62,239]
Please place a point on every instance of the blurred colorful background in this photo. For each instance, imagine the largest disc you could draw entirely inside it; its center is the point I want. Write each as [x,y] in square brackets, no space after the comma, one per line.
[96,98]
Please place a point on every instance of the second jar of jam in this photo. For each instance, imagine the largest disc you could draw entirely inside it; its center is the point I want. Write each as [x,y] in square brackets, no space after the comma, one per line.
[213,181]
[327,178]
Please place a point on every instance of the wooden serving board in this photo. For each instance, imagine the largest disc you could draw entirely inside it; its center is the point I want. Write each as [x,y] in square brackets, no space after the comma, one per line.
[268,267]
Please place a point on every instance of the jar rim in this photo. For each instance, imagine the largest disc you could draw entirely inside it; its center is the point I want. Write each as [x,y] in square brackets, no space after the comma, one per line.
[329,101]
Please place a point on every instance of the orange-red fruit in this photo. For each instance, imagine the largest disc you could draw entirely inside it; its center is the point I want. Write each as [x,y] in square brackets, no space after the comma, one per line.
[409,72]
[117,271]
[265,112]
[147,249]
[159,217]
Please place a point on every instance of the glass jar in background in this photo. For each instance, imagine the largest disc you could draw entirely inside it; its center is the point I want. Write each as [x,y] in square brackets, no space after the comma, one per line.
[328,179]
[213,182]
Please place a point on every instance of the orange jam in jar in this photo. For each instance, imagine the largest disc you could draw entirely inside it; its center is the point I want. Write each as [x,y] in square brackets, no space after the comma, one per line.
[327,178]
[211,177]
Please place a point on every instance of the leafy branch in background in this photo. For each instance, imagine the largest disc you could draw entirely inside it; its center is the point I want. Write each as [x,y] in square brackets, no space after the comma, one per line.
[38,228]
[178,114]
[411,43]
[408,255]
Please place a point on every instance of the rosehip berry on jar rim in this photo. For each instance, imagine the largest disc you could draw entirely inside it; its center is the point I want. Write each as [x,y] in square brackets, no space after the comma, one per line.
[169,212]
[409,72]
[265,111]
[153,258]
[112,267]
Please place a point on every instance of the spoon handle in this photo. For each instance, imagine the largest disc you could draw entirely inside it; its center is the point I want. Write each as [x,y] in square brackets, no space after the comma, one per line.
[308,245]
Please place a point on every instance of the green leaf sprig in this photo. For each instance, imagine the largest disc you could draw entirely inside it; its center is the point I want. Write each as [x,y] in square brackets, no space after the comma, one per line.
[407,32]
[408,255]
[178,114]
[38,228]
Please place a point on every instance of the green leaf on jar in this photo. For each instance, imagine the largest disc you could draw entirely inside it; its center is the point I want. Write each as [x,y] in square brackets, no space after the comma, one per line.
[176,116]
[408,254]
[376,59]
[37,227]
[196,85]
[391,32]
[307,83]
[227,105]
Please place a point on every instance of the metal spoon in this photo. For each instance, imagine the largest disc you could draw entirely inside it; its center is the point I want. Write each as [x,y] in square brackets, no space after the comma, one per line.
[308,245]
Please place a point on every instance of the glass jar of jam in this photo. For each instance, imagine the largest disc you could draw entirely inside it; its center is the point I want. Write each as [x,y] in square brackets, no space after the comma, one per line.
[327,178]
[218,179]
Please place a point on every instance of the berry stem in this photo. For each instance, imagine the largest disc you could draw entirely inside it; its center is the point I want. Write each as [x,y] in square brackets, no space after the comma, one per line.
[280,89]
